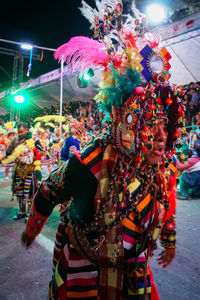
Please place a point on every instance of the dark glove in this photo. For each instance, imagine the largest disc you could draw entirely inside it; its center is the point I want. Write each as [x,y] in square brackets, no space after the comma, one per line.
[26,240]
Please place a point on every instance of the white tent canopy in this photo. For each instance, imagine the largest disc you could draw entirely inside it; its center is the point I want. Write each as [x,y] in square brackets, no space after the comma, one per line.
[182,40]
[184,62]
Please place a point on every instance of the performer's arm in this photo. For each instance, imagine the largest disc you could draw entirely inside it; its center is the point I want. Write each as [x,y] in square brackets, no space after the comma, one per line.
[168,241]
[168,233]
[186,165]
[54,190]
[11,146]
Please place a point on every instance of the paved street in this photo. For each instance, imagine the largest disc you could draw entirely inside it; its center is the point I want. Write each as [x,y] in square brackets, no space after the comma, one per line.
[25,273]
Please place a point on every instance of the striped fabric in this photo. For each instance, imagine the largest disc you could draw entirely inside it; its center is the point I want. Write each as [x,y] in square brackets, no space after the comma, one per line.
[81,279]
[23,186]
[91,156]
[58,244]
[10,165]
[131,234]
[81,267]
[74,277]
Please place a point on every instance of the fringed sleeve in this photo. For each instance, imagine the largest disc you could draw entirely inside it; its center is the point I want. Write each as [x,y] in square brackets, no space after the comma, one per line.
[54,190]
[168,234]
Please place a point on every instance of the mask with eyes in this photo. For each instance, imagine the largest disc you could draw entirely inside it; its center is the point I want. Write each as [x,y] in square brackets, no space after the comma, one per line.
[136,122]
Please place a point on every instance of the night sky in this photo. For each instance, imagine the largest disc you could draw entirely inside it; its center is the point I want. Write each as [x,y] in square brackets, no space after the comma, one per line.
[42,23]
[49,24]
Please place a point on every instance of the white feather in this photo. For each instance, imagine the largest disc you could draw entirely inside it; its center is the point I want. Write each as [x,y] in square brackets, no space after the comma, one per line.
[100,8]
[136,11]
[87,11]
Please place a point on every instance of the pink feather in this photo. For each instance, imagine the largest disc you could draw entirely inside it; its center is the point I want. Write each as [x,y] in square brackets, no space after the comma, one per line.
[81,53]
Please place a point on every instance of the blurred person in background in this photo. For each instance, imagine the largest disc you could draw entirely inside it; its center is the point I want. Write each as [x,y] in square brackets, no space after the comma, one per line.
[190,180]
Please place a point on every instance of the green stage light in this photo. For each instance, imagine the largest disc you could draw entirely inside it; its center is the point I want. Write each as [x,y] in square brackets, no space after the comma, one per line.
[86,76]
[89,74]
[19,98]
[83,80]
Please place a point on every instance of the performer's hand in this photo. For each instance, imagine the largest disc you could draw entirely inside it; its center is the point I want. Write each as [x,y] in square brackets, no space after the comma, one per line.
[166,256]
[26,240]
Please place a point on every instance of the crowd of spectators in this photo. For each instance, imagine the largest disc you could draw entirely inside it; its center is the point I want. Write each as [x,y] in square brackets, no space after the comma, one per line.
[87,112]
[191,100]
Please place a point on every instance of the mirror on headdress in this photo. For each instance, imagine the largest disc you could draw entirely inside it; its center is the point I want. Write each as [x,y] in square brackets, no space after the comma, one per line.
[129,118]
[156,64]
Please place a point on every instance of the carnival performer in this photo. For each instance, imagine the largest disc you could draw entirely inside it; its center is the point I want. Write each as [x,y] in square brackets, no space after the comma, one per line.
[23,150]
[3,144]
[10,135]
[76,139]
[54,135]
[56,145]
[71,145]
[121,188]
[44,141]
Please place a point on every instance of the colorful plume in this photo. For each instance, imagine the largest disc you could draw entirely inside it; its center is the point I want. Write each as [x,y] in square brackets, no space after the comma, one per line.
[81,52]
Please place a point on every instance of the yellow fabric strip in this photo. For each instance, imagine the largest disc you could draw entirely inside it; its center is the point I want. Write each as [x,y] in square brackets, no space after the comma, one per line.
[112,278]
[172,167]
[140,291]
[133,186]
[59,280]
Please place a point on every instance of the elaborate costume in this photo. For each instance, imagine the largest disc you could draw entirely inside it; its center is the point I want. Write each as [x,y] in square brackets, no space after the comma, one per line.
[121,189]
[24,152]
[52,143]
[9,132]
[77,138]
[46,156]
[3,143]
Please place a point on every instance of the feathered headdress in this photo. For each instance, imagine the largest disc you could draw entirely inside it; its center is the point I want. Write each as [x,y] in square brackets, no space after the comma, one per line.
[2,131]
[76,128]
[82,52]
[48,118]
[9,125]
[128,56]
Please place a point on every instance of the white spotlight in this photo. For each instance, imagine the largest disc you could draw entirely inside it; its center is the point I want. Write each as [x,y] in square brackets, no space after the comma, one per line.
[26,46]
[156,13]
